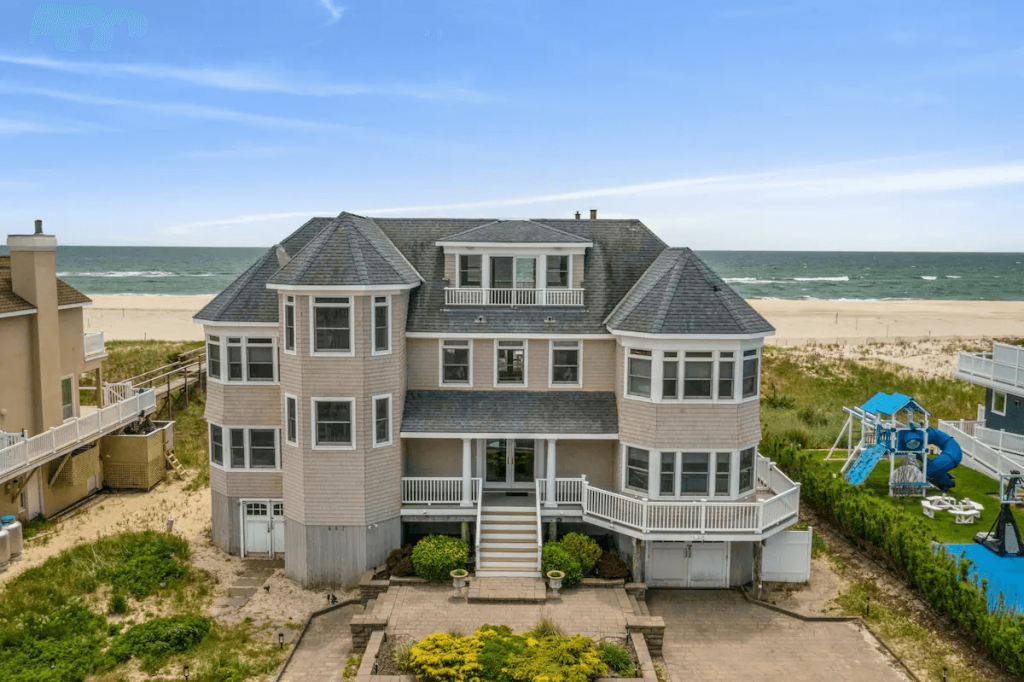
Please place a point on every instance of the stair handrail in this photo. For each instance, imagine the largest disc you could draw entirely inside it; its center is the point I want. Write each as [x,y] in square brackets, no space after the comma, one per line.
[539,483]
[479,514]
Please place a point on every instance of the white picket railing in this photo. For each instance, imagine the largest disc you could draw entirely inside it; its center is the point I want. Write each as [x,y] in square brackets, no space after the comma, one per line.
[94,345]
[524,297]
[9,439]
[115,393]
[435,490]
[1009,443]
[77,432]
[1004,364]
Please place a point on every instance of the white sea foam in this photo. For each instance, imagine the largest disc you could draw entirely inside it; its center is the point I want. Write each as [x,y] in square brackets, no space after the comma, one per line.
[928,277]
[844,278]
[952,276]
[132,273]
[751,280]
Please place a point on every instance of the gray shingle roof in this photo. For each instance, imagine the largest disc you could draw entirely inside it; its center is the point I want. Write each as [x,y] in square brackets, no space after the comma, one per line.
[679,294]
[514,232]
[12,303]
[622,252]
[247,299]
[539,412]
[353,251]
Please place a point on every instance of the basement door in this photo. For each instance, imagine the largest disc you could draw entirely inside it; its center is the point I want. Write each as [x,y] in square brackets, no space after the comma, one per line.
[262,527]
[688,564]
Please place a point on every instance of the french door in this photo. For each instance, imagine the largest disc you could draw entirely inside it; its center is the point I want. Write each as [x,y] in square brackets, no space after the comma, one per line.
[509,463]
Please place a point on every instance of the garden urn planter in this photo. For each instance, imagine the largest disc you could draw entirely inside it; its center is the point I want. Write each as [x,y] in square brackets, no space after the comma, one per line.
[555,580]
[459,580]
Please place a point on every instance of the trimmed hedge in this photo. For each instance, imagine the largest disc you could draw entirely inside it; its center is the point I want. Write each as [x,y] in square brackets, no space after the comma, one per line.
[903,541]
[436,556]
[586,551]
[555,557]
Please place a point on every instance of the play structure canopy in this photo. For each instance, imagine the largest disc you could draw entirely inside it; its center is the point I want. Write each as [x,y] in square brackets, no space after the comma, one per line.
[891,403]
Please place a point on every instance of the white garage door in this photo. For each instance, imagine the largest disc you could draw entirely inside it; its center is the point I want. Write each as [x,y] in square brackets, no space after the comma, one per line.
[688,564]
[263,527]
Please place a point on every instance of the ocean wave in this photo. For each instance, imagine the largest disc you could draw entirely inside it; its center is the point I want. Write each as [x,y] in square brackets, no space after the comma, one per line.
[752,280]
[132,273]
[929,277]
[952,276]
[843,278]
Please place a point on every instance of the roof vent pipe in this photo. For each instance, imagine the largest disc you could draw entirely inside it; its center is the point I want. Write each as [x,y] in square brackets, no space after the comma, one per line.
[577,215]
[593,214]
[39,227]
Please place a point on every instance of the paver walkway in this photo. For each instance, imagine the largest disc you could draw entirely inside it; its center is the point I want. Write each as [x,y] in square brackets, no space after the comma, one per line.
[324,649]
[717,635]
[253,576]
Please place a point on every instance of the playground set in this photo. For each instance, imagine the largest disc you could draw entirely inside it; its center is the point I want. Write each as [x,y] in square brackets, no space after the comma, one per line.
[895,427]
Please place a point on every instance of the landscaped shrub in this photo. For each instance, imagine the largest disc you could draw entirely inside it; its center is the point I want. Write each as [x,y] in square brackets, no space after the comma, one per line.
[546,627]
[586,551]
[399,563]
[561,659]
[159,639]
[611,567]
[555,557]
[903,541]
[436,556]
[616,657]
[445,658]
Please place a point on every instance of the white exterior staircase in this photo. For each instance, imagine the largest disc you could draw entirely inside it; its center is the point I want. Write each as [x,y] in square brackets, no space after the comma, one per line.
[508,543]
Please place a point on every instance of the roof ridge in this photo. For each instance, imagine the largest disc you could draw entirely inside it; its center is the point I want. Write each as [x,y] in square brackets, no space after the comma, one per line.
[672,275]
[309,261]
[472,229]
[249,273]
[352,236]
[554,229]
[625,297]
[718,288]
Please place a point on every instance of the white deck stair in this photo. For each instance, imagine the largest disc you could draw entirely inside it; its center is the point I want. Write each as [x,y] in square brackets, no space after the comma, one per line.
[508,543]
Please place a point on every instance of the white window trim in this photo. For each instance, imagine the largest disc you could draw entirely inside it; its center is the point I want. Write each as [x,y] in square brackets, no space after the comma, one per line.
[458,270]
[220,358]
[74,398]
[569,273]
[526,365]
[658,374]
[313,423]
[298,422]
[540,252]
[209,445]
[681,378]
[551,365]
[293,304]
[244,381]
[626,488]
[351,328]
[1005,398]
[654,474]
[373,325]
[739,370]
[440,365]
[391,423]
[226,447]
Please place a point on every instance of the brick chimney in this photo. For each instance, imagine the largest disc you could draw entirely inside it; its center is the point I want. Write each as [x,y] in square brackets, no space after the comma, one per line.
[34,278]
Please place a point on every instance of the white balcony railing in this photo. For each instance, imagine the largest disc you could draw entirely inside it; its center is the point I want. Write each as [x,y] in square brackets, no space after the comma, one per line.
[514,297]
[1004,365]
[38,449]
[95,346]
[435,490]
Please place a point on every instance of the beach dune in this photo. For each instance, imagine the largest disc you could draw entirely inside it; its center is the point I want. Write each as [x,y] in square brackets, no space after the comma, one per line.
[797,323]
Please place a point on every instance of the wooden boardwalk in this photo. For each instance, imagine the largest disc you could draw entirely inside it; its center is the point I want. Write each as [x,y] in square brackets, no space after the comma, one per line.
[175,385]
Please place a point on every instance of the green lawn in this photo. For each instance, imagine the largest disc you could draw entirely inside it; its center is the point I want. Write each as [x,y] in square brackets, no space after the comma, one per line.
[969,483]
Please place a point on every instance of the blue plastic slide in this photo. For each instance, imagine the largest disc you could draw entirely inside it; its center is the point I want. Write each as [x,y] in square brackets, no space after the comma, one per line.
[948,458]
[866,461]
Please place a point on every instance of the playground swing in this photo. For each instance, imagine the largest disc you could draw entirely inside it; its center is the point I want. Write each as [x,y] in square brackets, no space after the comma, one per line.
[895,426]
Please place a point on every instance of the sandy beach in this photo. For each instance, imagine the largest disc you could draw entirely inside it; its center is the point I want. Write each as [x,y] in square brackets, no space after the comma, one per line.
[797,323]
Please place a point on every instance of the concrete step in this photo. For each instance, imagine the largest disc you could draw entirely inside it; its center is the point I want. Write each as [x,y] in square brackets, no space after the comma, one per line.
[508,551]
[506,535]
[508,573]
[509,518]
[509,510]
[505,525]
[491,559]
[517,541]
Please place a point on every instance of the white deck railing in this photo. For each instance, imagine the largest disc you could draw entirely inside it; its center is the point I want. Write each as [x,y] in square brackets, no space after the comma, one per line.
[1004,365]
[94,345]
[977,452]
[1009,443]
[435,490]
[513,297]
[38,449]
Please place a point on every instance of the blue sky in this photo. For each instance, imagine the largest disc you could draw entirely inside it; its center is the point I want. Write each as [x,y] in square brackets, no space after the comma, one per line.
[722,125]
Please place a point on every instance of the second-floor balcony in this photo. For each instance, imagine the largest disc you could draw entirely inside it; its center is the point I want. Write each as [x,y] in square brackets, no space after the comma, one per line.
[513,297]
[1002,368]
[95,346]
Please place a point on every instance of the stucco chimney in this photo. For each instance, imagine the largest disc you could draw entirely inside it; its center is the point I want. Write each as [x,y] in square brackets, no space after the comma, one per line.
[34,278]
[593,214]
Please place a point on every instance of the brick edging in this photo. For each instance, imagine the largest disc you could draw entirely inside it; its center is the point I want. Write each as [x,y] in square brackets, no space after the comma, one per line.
[302,633]
[832,619]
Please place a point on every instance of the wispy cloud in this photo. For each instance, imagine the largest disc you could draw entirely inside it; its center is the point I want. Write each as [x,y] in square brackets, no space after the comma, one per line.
[334,10]
[797,183]
[10,126]
[249,79]
[195,111]
[240,153]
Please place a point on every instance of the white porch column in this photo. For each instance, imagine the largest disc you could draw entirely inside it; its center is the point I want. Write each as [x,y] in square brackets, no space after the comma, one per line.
[467,472]
[552,469]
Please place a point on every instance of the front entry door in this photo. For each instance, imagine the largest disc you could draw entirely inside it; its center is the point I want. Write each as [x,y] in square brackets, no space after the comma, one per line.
[509,463]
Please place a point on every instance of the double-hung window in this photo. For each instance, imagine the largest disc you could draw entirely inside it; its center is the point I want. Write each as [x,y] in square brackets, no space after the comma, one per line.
[639,379]
[746,470]
[332,325]
[667,484]
[213,357]
[67,398]
[456,367]
[693,476]
[235,359]
[699,373]
[216,445]
[470,271]
[381,325]
[382,420]
[558,272]
[333,421]
[638,469]
[291,419]
[511,362]
[262,448]
[565,363]
[237,448]
[289,324]
[723,464]
[726,374]
[751,369]
[247,448]
[250,359]
[670,376]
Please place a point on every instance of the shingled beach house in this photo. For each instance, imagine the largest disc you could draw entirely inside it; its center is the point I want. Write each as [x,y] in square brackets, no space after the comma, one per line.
[376,379]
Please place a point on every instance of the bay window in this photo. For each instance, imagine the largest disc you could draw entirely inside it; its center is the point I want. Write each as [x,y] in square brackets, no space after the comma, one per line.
[247,448]
[670,375]
[699,371]
[693,479]
[249,360]
[685,474]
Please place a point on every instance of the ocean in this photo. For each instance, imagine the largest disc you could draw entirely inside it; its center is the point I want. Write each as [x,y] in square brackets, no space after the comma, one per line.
[754,274]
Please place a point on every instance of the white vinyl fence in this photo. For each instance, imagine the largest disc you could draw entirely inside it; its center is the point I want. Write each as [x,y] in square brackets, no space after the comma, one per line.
[787,557]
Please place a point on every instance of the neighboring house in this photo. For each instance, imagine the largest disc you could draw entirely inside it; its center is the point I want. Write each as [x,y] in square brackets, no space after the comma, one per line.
[999,429]
[368,377]
[49,457]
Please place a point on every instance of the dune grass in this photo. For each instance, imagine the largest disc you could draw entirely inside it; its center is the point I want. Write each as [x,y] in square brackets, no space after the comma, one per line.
[127,359]
[190,441]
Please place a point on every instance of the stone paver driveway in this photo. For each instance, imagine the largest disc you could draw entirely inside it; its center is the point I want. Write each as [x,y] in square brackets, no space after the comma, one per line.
[324,650]
[717,635]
